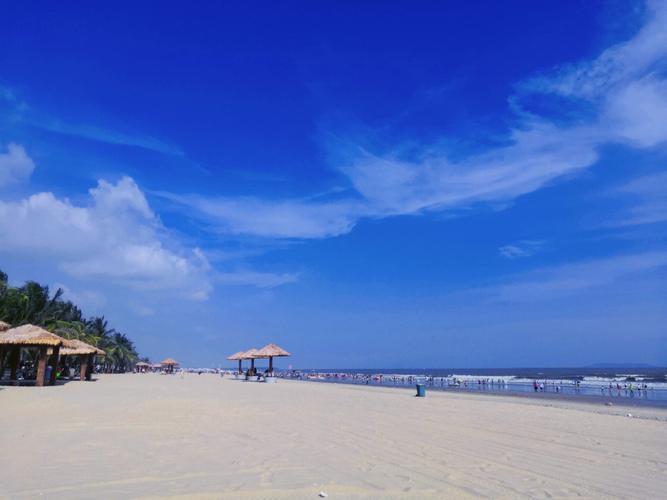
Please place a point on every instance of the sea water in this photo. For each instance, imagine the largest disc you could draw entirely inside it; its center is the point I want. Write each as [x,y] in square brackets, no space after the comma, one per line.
[629,385]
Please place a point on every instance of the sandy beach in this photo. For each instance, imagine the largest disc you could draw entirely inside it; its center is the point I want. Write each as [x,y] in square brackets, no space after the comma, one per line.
[200,436]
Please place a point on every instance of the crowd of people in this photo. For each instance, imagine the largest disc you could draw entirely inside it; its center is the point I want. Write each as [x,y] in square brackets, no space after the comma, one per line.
[489,384]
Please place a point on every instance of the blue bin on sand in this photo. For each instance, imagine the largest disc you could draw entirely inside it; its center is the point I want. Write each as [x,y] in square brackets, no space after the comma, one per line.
[421,390]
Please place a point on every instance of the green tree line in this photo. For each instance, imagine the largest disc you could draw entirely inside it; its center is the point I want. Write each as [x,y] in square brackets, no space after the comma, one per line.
[32,303]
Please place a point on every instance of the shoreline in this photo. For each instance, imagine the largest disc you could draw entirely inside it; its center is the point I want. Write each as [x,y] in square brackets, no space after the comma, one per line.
[581,403]
[619,401]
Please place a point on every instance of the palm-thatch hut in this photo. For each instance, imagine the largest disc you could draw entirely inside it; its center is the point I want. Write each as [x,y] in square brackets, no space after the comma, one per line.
[252,355]
[142,366]
[4,326]
[30,336]
[272,351]
[168,365]
[237,356]
[86,353]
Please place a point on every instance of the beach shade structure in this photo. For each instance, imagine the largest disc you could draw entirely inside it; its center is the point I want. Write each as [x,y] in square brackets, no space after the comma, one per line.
[4,326]
[237,356]
[252,355]
[272,351]
[142,366]
[86,354]
[30,336]
[168,365]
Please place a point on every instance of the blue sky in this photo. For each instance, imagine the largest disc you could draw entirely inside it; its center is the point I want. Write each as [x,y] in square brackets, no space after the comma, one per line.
[368,184]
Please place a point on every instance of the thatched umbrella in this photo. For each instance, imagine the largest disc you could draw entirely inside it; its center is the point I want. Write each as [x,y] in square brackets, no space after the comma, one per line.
[169,364]
[142,365]
[272,351]
[4,326]
[36,337]
[72,347]
[86,353]
[237,356]
[252,355]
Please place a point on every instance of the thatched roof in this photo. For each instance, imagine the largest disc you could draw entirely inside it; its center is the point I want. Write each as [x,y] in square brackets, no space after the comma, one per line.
[76,347]
[30,335]
[252,354]
[142,363]
[4,326]
[236,356]
[169,361]
[273,351]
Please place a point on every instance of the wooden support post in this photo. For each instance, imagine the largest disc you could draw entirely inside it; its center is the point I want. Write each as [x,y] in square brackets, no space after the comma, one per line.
[65,367]
[83,359]
[14,356]
[89,371]
[54,364]
[240,369]
[3,352]
[271,364]
[41,366]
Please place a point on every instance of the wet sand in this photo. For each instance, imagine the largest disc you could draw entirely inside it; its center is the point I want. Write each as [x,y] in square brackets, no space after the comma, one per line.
[149,436]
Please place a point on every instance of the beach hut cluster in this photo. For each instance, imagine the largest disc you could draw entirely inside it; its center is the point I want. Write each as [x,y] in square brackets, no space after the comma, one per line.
[269,352]
[53,354]
[167,365]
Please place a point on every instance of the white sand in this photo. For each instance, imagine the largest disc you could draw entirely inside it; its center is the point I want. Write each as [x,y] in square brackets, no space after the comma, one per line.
[205,437]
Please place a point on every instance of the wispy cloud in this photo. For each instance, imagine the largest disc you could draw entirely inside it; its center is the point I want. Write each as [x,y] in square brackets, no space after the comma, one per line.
[556,281]
[618,97]
[21,113]
[519,249]
[647,197]
[273,219]
[109,136]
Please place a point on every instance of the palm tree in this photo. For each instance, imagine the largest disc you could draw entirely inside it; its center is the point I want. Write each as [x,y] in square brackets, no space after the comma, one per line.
[98,329]
[120,352]
[32,303]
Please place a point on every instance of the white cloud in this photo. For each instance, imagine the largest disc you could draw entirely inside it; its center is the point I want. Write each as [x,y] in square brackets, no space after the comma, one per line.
[523,248]
[648,200]
[620,96]
[557,281]
[116,237]
[15,165]
[539,153]
[637,112]
[274,219]
[624,62]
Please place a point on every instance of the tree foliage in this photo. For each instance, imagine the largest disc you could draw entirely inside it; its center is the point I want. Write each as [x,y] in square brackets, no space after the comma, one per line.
[33,303]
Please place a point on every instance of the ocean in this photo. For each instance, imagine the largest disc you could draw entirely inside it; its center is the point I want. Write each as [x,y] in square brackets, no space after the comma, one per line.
[630,385]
